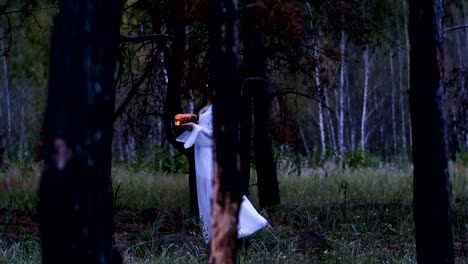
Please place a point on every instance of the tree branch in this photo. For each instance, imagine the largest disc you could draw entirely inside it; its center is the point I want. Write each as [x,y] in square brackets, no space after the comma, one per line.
[152,37]
[136,86]
[455,28]
[292,91]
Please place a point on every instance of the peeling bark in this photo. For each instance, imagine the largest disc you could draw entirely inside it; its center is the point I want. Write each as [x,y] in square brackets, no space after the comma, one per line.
[225,79]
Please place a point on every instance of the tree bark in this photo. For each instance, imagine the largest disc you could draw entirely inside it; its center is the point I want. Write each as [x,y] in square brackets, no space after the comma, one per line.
[7,136]
[318,85]
[75,207]
[365,97]
[431,199]
[393,103]
[401,96]
[320,91]
[254,72]
[331,126]
[225,78]
[341,99]
[175,72]
[407,45]
[267,180]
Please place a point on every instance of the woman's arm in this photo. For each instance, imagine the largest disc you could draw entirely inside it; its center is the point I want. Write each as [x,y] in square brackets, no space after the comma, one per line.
[199,135]
[189,127]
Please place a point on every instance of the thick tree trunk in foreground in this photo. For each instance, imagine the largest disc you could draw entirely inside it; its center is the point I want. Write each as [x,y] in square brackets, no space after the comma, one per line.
[75,205]
[431,179]
[225,78]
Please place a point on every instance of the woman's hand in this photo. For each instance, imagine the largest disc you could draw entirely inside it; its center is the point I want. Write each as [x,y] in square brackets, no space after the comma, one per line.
[188,126]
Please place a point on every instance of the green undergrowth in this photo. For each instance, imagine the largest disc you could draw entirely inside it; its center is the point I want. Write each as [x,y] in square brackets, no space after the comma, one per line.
[327,215]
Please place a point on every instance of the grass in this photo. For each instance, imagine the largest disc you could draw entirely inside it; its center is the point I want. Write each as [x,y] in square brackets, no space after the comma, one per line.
[327,215]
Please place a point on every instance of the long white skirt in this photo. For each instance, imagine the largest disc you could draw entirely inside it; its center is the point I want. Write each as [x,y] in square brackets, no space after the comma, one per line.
[250,221]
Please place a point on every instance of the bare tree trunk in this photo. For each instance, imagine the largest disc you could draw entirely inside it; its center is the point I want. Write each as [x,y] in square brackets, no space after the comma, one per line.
[365,95]
[393,103]
[253,68]
[175,72]
[434,243]
[76,205]
[341,91]
[331,126]
[316,47]
[119,139]
[408,60]
[401,96]
[351,137]
[381,124]
[225,78]
[23,139]
[7,137]
[465,18]
[304,142]
[320,108]
[267,178]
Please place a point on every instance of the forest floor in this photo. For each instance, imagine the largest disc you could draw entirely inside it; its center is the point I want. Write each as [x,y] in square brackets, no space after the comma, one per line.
[171,236]
[320,220]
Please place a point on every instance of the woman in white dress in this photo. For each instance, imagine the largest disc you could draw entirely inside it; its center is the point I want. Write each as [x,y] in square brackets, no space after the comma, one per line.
[201,136]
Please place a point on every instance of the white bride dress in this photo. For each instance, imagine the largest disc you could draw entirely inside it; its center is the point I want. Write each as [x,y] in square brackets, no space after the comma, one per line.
[250,221]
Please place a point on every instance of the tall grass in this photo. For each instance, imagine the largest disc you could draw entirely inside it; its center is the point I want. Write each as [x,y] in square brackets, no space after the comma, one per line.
[147,190]
[327,215]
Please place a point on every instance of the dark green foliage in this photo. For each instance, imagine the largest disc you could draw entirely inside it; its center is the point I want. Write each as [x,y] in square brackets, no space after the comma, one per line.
[161,162]
[359,159]
[462,158]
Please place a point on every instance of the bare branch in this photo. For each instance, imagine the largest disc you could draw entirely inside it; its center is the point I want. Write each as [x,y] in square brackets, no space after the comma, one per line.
[151,37]
[455,28]
[293,91]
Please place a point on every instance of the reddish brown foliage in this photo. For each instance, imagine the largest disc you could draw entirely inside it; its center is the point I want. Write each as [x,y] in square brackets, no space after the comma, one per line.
[197,10]
[281,16]
[283,122]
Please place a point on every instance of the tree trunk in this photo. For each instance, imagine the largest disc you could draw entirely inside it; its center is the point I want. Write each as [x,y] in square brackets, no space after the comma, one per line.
[318,85]
[465,18]
[407,44]
[331,126]
[323,145]
[351,137]
[403,109]
[401,96]
[23,144]
[341,98]
[365,96]
[267,180]
[225,78]
[119,139]
[7,136]
[254,72]
[175,72]
[246,135]
[431,178]
[75,207]
[393,103]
